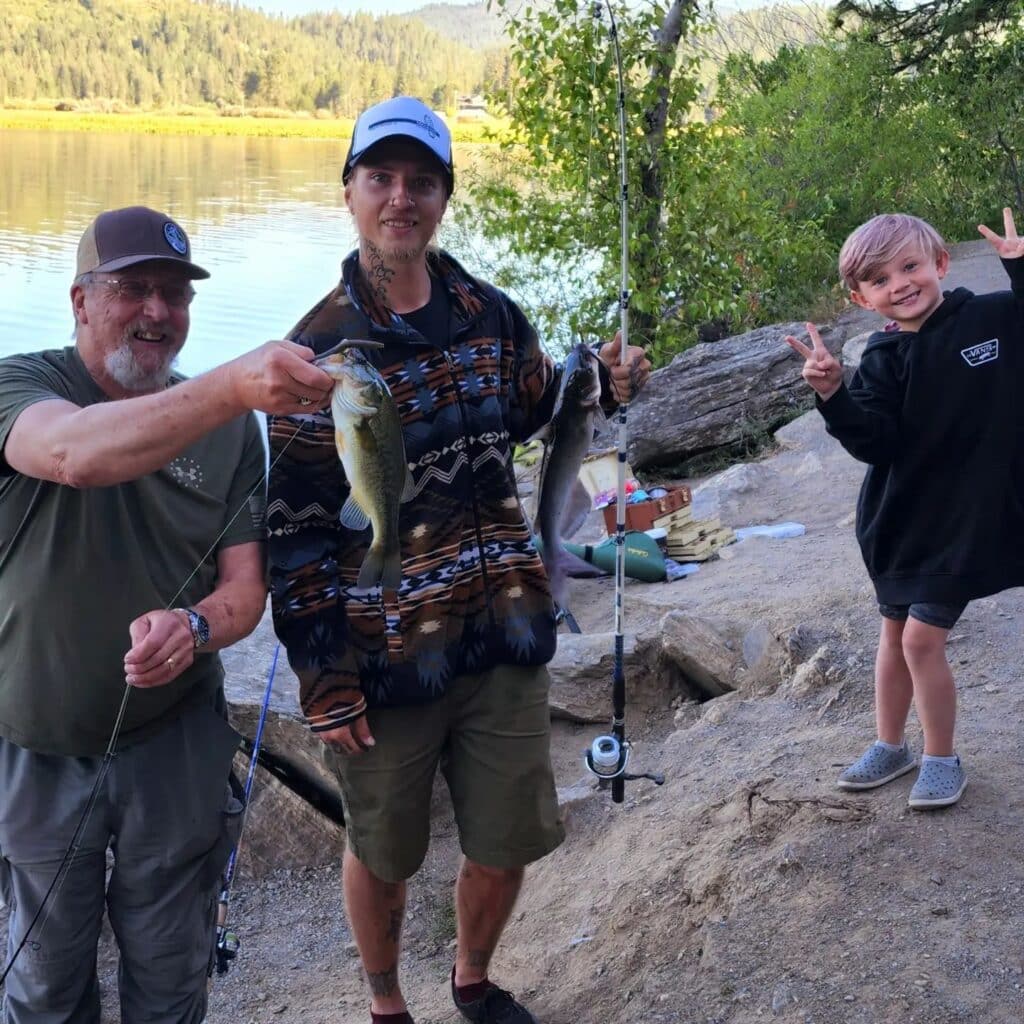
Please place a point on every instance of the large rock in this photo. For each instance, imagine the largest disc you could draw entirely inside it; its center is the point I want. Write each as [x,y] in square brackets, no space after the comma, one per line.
[719,394]
[717,657]
[583,669]
[853,349]
[282,830]
[297,754]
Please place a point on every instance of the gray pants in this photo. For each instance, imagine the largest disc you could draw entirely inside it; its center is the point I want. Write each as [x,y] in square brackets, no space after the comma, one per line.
[167,813]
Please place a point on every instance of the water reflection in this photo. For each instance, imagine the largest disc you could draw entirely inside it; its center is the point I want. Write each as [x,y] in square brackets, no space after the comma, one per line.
[266,217]
[53,182]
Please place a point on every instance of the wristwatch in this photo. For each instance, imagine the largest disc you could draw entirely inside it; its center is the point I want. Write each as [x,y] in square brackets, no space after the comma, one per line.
[199,626]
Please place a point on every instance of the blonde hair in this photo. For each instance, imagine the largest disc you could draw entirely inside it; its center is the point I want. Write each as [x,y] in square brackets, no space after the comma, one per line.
[880,240]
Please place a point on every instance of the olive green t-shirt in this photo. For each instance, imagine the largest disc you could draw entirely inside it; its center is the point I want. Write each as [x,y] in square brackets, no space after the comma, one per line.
[78,565]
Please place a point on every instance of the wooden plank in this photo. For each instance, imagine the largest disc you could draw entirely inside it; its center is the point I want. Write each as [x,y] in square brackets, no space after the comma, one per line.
[701,528]
[676,518]
[700,546]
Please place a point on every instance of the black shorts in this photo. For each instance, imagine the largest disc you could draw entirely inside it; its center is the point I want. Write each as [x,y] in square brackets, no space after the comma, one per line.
[942,616]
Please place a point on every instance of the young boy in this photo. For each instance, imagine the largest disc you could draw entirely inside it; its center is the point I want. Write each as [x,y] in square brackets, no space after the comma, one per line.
[935,410]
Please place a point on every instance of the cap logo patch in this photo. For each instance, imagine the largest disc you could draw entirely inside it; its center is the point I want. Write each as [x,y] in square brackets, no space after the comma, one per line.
[428,127]
[175,238]
[427,124]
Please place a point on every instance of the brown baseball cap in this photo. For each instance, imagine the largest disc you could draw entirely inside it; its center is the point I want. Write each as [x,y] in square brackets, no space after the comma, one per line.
[134,234]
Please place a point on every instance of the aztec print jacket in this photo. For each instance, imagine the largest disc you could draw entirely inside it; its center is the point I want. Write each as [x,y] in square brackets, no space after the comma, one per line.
[474,593]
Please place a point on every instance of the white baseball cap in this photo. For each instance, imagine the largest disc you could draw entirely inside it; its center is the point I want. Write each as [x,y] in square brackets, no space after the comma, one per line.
[401,117]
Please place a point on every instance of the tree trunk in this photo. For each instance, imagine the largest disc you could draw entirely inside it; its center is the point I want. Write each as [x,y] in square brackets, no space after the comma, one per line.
[655,118]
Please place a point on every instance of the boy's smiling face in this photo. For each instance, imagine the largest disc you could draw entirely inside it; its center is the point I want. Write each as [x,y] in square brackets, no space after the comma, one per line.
[907,289]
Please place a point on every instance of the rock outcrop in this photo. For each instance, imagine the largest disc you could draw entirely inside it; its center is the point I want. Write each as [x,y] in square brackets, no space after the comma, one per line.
[719,395]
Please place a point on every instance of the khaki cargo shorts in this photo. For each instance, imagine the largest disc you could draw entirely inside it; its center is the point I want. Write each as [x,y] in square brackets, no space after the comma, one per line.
[491,736]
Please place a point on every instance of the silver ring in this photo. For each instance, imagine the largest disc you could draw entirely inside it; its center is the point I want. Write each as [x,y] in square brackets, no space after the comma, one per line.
[305,401]
[170,662]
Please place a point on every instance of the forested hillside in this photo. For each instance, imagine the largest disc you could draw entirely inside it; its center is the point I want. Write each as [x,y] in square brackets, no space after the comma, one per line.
[180,52]
[473,25]
[141,53]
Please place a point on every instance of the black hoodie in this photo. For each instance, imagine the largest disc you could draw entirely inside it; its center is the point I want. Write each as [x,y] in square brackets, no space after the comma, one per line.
[939,417]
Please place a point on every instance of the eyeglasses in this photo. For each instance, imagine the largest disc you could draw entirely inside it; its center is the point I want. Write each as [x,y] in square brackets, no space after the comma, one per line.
[131,289]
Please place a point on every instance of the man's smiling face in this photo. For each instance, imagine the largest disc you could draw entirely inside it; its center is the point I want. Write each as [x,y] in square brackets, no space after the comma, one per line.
[132,323]
[397,195]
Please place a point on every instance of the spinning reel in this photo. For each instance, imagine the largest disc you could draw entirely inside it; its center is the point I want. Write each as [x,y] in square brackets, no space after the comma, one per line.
[607,758]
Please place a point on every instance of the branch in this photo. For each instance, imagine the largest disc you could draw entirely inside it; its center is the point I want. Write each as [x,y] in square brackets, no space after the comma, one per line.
[918,33]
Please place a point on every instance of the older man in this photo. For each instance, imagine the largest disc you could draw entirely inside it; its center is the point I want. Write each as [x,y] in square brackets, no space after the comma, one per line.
[131,550]
[450,670]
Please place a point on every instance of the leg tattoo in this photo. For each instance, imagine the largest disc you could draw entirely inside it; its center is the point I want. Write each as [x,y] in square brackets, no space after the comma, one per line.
[395,918]
[383,983]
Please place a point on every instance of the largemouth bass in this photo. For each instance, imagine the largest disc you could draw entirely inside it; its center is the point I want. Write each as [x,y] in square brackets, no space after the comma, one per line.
[368,435]
[564,502]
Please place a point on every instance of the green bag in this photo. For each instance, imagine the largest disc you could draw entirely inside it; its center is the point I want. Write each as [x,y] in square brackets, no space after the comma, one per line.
[644,560]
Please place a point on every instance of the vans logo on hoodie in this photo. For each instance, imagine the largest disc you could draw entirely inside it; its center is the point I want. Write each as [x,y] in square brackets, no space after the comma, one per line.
[985,352]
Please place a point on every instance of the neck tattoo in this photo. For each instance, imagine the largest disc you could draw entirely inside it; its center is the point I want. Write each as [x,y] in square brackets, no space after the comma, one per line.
[378,271]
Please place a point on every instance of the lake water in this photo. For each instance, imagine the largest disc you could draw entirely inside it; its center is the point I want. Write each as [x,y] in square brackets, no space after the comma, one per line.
[266,217]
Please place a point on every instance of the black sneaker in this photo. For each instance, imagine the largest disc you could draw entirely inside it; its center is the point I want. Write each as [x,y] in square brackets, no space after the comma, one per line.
[495,1006]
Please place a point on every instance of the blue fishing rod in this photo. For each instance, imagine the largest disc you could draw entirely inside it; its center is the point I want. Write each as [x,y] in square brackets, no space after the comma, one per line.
[227,941]
[608,755]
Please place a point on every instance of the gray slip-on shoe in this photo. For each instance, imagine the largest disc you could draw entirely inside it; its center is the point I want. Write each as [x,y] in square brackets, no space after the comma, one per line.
[877,766]
[938,785]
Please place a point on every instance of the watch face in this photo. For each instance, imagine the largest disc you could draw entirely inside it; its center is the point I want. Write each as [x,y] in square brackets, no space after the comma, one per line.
[200,629]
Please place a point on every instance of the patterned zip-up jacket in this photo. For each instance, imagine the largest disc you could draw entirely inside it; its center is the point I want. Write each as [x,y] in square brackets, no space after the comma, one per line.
[474,593]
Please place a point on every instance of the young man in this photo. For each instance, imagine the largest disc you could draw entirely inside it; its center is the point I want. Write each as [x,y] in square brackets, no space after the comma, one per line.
[123,560]
[449,670]
[935,411]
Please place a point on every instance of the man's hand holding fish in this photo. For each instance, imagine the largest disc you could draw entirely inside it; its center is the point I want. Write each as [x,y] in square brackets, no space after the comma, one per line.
[627,376]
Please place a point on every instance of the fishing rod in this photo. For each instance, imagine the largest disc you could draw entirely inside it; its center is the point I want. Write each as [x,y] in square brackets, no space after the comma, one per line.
[608,756]
[227,941]
[71,852]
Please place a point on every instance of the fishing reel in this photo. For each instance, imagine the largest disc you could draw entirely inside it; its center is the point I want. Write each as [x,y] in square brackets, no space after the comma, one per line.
[607,758]
[227,949]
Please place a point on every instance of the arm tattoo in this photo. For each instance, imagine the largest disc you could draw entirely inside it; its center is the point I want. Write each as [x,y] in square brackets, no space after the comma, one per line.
[383,983]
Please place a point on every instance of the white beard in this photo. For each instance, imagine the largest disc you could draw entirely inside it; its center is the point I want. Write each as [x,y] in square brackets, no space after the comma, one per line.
[122,366]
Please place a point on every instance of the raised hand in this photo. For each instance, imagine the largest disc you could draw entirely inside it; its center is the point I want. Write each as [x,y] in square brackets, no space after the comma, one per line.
[280,378]
[1009,248]
[821,369]
[629,376]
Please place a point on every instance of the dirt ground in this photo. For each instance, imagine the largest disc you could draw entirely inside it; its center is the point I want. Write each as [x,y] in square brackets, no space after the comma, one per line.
[747,888]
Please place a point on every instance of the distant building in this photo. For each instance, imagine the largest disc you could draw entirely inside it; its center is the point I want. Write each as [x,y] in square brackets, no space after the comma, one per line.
[472,108]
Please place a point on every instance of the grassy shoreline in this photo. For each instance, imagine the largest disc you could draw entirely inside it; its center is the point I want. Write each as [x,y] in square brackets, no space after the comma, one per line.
[208,123]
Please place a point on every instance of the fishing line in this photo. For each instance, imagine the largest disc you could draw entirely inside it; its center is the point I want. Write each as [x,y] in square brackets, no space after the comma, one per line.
[53,891]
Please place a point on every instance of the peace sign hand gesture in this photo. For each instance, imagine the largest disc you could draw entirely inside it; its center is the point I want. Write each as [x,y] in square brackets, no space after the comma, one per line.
[821,369]
[1009,248]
